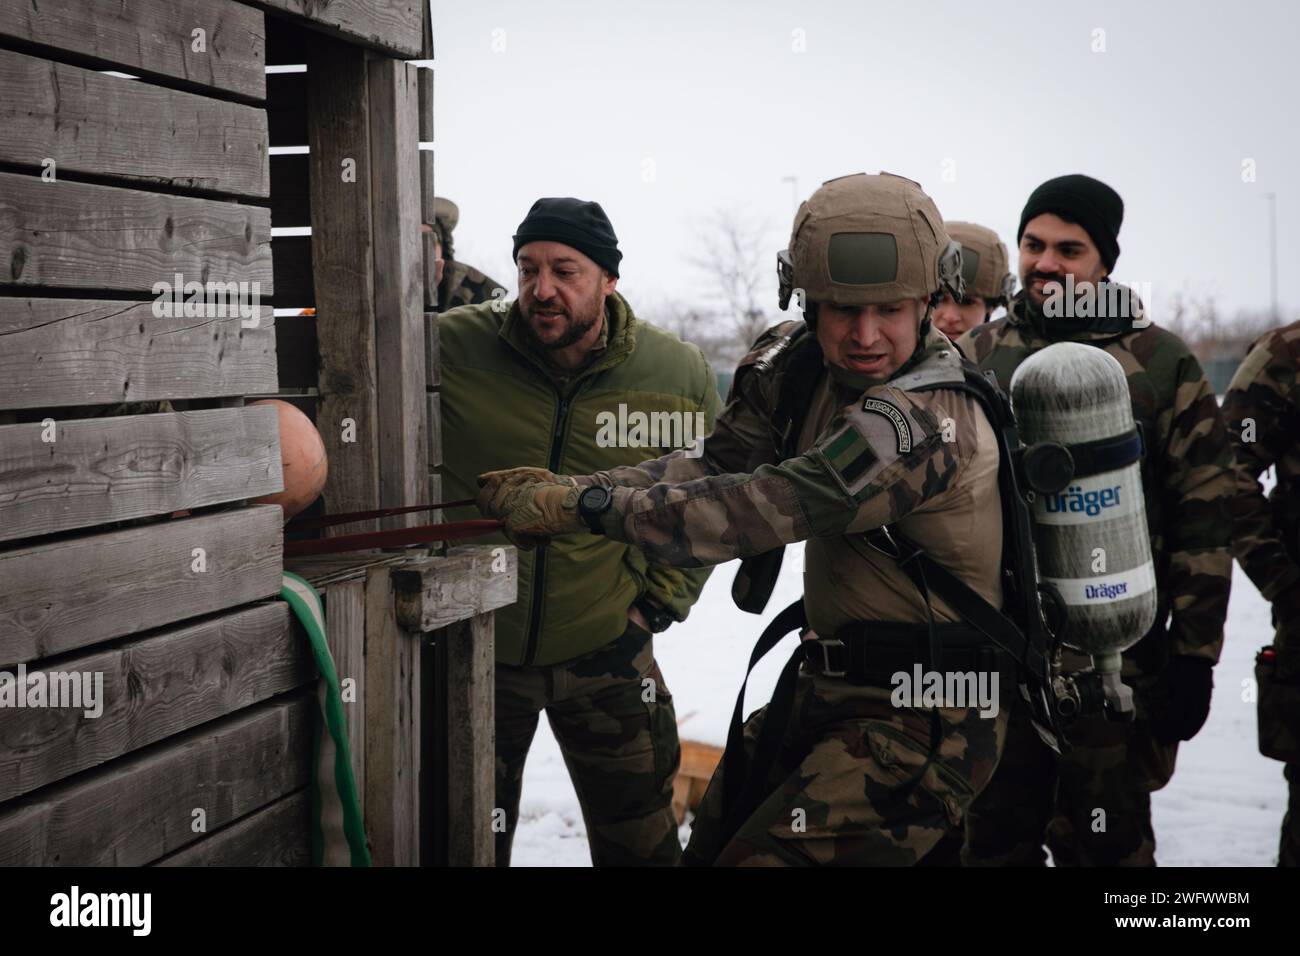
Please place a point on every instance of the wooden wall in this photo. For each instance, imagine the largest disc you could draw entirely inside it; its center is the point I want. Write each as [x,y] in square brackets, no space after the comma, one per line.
[128,551]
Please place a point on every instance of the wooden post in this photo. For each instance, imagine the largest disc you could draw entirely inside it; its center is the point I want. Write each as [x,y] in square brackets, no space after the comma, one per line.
[428,211]
[338,123]
[469,686]
[399,316]
[345,632]
[392,730]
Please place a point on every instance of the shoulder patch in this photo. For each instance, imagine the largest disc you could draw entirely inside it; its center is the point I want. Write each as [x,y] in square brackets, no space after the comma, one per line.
[882,407]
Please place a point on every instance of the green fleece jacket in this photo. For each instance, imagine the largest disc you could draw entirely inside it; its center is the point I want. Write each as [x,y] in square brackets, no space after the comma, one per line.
[503,406]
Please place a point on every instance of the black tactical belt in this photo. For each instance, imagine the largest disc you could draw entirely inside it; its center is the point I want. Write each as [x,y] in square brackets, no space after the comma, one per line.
[870,653]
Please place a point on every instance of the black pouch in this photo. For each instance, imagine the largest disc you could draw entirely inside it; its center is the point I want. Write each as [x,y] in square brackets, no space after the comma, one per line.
[1277,674]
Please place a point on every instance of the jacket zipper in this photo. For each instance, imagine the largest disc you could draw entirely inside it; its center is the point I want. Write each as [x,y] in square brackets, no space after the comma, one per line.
[539,564]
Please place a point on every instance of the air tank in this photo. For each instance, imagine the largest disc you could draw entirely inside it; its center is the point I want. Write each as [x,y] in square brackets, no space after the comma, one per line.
[1090,535]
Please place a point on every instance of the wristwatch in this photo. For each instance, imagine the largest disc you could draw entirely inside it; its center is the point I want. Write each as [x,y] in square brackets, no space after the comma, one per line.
[592,505]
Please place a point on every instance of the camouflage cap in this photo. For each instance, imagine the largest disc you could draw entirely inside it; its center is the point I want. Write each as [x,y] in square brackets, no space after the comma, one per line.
[984,262]
[445,216]
[863,240]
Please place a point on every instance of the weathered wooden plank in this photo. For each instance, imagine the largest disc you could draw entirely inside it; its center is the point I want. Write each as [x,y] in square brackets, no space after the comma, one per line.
[113,469]
[471,579]
[152,688]
[433,417]
[151,38]
[56,352]
[294,276]
[345,632]
[276,835]
[286,108]
[321,569]
[392,729]
[84,236]
[91,123]
[432,352]
[399,295]
[428,210]
[469,683]
[296,359]
[342,255]
[72,593]
[435,494]
[139,808]
[394,26]
[290,190]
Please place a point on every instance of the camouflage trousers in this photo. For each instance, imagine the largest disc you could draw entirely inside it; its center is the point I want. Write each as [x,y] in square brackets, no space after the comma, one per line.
[838,793]
[1091,806]
[1288,853]
[613,718]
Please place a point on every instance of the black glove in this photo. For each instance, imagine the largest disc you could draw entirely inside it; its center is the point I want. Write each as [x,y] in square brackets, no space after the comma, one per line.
[1183,699]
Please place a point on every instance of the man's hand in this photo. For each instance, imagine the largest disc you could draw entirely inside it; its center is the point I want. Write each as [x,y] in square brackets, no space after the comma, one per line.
[533,503]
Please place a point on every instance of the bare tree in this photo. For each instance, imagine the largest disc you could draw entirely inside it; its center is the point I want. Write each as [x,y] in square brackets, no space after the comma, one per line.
[738,258]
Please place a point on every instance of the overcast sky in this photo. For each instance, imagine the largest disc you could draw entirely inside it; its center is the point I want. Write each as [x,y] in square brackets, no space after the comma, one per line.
[663,111]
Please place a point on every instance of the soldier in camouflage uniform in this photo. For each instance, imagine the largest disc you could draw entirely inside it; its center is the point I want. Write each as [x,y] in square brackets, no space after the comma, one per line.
[886,440]
[1262,411]
[1093,805]
[984,271]
[458,283]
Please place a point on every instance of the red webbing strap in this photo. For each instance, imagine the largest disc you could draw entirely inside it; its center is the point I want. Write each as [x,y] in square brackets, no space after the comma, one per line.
[394,538]
[308,524]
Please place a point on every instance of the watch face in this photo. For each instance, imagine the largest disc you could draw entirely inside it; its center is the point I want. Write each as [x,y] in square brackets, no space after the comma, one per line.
[594,499]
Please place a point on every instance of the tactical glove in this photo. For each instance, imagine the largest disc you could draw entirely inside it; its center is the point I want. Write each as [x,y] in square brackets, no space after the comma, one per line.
[1184,693]
[533,504]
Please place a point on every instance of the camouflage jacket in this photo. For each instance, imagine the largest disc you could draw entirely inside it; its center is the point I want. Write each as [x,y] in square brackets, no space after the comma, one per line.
[464,285]
[1187,472]
[923,460]
[1262,412]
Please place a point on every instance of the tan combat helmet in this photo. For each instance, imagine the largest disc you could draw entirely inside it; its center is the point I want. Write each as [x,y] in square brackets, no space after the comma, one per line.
[445,214]
[983,262]
[864,240]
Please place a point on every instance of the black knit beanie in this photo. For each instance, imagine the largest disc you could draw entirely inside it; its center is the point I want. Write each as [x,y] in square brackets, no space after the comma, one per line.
[582,225]
[1083,200]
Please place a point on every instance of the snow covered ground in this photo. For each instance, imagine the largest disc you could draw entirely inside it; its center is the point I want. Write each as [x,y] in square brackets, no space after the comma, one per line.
[1222,808]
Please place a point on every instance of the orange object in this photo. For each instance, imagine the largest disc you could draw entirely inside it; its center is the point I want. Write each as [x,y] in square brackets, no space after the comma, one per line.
[302,456]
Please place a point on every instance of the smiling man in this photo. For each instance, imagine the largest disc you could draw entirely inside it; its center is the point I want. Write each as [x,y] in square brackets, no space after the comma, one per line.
[1093,805]
[530,385]
[837,426]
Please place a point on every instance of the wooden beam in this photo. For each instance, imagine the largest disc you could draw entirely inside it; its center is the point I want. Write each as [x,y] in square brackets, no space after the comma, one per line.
[72,593]
[133,466]
[433,417]
[342,255]
[139,808]
[471,579]
[432,351]
[469,683]
[56,352]
[91,123]
[394,27]
[428,209]
[345,632]
[84,236]
[392,730]
[399,312]
[276,835]
[150,38]
[152,688]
